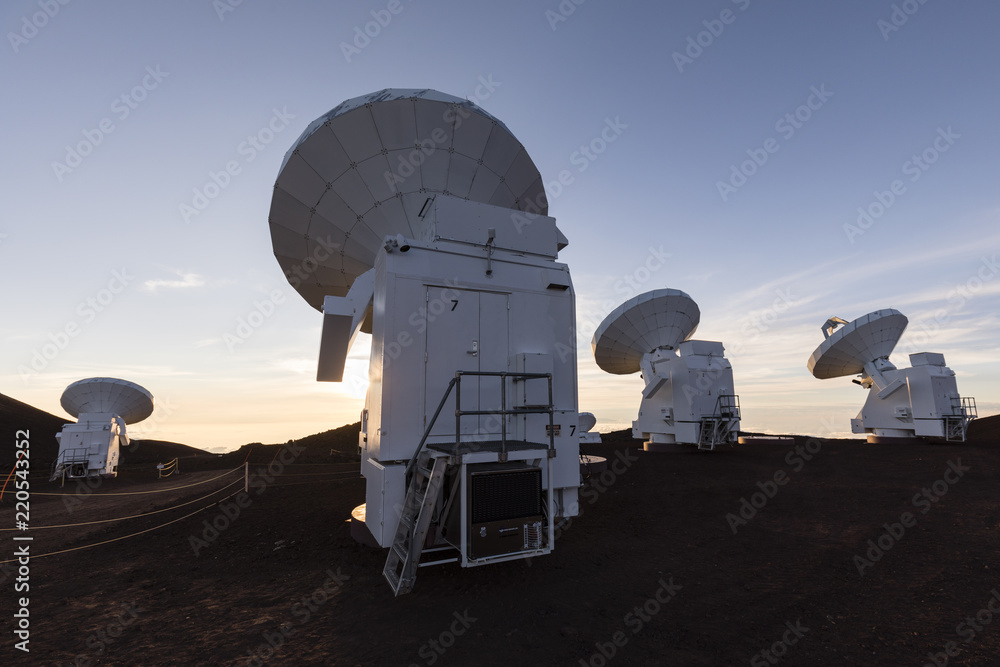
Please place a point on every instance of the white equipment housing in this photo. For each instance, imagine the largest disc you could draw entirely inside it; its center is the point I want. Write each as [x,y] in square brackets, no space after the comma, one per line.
[103,407]
[468,437]
[428,325]
[917,402]
[587,421]
[689,397]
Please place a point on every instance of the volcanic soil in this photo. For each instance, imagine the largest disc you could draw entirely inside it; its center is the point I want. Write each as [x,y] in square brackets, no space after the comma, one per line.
[844,554]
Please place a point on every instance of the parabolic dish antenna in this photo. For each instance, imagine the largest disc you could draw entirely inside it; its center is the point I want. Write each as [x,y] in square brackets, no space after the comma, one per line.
[660,318]
[866,339]
[108,395]
[365,170]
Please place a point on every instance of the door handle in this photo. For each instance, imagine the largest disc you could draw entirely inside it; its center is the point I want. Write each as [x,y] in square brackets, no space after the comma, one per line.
[475,349]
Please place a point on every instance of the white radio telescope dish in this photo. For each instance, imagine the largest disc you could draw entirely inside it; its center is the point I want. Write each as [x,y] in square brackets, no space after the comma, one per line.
[410,204]
[366,169]
[662,318]
[865,340]
[108,395]
[921,401]
[689,397]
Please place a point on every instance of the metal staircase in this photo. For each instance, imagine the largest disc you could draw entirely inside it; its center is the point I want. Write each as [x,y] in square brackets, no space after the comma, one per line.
[425,475]
[422,495]
[72,462]
[720,428]
[963,411]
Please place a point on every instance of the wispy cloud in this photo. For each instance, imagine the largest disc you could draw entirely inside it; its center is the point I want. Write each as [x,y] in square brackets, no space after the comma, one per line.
[185,280]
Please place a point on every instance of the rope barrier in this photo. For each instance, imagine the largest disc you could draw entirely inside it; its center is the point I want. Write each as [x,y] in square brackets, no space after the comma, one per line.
[11,473]
[124,537]
[134,516]
[163,466]
[162,525]
[140,493]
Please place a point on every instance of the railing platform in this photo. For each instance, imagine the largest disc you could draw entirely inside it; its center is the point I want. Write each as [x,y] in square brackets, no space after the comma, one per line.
[493,446]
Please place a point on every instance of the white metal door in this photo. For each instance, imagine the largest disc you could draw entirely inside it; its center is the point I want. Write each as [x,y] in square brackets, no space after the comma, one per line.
[467,331]
[494,357]
[452,345]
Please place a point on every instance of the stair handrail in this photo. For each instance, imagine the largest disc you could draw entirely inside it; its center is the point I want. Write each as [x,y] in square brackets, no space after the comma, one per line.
[427,431]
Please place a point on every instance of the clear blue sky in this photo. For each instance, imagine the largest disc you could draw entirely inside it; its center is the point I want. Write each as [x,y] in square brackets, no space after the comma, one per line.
[694,90]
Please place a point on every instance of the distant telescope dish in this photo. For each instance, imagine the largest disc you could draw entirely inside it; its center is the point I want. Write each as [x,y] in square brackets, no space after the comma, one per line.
[689,397]
[366,170]
[585,422]
[865,340]
[108,395]
[902,404]
[662,318]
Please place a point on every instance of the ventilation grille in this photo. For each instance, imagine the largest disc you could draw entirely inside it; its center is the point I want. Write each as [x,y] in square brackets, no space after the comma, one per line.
[506,495]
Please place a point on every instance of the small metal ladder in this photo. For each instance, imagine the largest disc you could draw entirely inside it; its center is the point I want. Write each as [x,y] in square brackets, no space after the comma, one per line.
[422,495]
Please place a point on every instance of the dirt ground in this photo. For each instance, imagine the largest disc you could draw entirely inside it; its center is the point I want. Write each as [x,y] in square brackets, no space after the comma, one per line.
[652,572]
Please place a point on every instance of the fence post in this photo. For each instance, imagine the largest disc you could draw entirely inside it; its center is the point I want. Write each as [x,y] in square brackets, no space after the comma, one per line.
[246,477]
